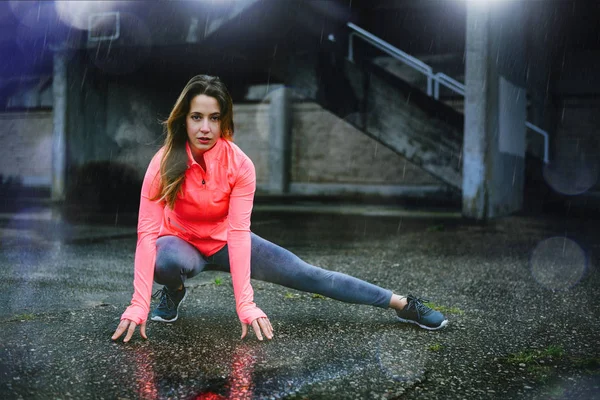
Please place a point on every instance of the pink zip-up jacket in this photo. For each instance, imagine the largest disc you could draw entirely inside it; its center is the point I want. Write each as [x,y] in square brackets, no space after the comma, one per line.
[213,210]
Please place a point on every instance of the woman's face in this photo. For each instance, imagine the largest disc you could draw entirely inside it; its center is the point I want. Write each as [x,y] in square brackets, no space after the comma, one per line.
[203,123]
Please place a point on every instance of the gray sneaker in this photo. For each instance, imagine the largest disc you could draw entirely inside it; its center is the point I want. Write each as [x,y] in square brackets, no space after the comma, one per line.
[415,312]
[170,300]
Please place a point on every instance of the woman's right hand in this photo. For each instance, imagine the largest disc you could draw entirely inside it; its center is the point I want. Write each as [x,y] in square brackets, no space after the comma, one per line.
[259,324]
[129,326]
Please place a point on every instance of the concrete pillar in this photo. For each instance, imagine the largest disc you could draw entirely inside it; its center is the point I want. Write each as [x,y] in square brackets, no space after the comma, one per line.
[59,132]
[494,136]
[280,132]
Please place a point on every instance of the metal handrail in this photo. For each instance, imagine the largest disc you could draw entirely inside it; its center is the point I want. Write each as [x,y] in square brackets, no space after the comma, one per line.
[546,138]
[432,80]
[443,79]
[391,50]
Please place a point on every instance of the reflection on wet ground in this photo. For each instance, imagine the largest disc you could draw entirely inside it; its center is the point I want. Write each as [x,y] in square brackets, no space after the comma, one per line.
[65,282]
[237,381]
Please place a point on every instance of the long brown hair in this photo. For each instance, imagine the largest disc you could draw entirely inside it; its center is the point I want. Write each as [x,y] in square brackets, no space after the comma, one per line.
[174,160]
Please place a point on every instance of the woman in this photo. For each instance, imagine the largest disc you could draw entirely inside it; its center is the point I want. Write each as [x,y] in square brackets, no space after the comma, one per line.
[195,210]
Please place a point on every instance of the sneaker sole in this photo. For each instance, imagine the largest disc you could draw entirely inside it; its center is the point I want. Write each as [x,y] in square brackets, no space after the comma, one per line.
[159,319]
[429,328]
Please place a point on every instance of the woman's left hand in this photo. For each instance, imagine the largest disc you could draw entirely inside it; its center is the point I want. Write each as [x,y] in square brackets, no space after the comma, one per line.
[259,324]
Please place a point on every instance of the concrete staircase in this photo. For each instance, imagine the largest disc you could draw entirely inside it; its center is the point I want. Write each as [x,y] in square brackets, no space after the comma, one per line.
[403,118]
[384,104]
[451,64]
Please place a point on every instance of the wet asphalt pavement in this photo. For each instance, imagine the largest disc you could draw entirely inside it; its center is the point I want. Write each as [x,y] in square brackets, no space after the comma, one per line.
[521,295]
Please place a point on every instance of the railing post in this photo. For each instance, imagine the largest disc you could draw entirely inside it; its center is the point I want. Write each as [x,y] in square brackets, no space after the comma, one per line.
[429,85]
[60,88]
[350,49]
[546,139]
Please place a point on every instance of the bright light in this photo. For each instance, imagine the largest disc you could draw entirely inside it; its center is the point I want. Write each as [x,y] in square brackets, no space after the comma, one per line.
[485,1]
[76,13]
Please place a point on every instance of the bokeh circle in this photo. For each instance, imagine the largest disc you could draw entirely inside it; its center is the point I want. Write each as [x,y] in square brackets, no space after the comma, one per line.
[558,263]
[574,168]
[399,361]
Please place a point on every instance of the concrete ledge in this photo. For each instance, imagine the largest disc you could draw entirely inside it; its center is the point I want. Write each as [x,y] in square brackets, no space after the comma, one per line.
[355,210]
[328,189]
[377,194]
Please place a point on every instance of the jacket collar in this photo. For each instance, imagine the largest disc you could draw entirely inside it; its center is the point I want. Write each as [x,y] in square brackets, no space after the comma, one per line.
[209,155]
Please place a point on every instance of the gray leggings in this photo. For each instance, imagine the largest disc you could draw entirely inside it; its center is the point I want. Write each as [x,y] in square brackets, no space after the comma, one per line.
[177,260]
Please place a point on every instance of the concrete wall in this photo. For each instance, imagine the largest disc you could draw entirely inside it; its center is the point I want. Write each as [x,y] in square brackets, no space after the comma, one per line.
[113,122]
[86,114]
[133,126]
[252,135]
[327,149]
[117,120]
[329,156]
[508,158]
[113,119]
[25,147]
[113,129]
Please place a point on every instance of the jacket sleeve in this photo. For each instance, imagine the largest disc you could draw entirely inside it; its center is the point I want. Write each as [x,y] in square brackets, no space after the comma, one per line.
[238,242]
[149,222]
